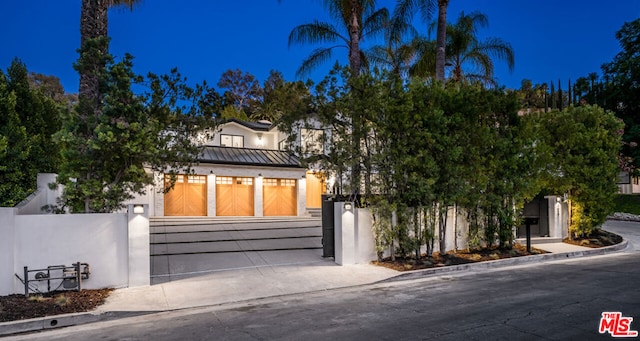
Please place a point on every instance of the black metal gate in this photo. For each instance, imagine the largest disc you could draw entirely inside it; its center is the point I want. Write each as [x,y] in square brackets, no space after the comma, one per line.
[328,239]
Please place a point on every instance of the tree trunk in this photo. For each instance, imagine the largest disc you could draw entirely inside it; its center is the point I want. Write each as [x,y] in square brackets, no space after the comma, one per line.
[355,61]
[441,39]
[93,25]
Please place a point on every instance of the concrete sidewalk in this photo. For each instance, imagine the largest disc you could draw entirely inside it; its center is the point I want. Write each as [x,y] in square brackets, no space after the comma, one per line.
[272,280]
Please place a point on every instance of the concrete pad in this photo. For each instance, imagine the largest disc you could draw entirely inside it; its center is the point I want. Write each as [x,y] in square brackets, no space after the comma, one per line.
[560,247]
[203,247]
[180,264]
[158,249]
[198,236]
[157,238]
[293,256]
[282,243]
[147,298]
[159,265]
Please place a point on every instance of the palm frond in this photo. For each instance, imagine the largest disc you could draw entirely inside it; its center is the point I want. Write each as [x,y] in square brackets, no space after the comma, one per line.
[376,23]
[317,57]
[314,33]
[480,61]
[500,49]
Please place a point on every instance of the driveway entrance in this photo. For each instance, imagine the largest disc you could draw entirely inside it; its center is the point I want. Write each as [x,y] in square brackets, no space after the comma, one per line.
[184,247]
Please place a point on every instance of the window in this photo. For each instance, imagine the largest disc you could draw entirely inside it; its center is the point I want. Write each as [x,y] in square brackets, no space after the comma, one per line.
[283,145]
[224,180]
[232,141]
[311,141]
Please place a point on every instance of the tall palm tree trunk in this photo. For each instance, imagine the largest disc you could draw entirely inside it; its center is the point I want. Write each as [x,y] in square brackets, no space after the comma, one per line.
[93,25]
[441,39]
[355,62]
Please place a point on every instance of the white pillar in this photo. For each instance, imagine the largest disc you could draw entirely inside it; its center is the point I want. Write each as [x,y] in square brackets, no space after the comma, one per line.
[139,248]
[211,195]
[302,196]
[258,202]
[344,225]
[7,251]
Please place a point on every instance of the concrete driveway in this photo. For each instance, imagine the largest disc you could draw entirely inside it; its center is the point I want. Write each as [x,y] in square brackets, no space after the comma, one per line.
[184,247]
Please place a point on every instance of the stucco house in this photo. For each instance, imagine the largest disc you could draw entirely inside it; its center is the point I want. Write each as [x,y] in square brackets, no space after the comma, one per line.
[244,171]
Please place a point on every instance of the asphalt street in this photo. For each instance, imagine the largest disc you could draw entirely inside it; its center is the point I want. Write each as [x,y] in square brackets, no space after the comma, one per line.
[560,300]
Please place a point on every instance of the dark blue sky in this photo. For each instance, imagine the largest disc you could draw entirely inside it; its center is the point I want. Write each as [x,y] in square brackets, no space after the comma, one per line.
[552,39]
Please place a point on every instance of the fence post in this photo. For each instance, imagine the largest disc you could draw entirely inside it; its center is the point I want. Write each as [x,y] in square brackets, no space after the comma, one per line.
[139,247]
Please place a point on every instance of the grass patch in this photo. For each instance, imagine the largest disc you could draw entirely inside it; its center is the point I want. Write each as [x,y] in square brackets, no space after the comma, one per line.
[627,203]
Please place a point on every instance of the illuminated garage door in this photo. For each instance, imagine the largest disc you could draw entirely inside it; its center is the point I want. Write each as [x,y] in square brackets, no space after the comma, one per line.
[234,196]
[280,197]
[188,197]
[316,187]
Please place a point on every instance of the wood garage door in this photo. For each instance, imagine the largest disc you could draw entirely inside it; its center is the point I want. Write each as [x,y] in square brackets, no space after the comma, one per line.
[280,197]
[188,197]
[316,187]
[234,196]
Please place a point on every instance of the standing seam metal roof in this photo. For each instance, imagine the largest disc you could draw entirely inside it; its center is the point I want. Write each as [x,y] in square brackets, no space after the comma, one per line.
[248,156]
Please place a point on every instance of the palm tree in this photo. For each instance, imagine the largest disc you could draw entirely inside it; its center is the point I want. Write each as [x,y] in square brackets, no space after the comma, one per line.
[404,11]
[357,20]
[93,25]
[464,48]
[465,51]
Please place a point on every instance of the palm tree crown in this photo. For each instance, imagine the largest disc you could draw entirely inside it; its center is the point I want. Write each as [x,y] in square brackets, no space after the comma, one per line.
[465,50]
[356,19]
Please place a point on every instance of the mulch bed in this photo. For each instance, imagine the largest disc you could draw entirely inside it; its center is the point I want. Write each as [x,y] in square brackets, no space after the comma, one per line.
[456,258]
[600,238]
[19,307]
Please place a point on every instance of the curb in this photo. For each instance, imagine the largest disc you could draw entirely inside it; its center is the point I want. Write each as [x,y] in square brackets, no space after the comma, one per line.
[60,321]
[500,263]
[67,320]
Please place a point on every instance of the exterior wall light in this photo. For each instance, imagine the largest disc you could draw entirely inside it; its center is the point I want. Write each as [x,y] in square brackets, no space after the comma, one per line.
[348,206]
[138,209]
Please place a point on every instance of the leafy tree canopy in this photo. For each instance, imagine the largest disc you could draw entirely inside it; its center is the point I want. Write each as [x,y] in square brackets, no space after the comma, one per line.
[107,152]
[27,121]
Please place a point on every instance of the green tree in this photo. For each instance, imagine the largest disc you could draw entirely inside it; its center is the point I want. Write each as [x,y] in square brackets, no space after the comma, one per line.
[15,178]
[280,97]
[243,91]
[41,117]
[406,9]
[464,47]
[94,22]
[29,119]
[579,146]
[108,158]
[468,58]
[621,92]
[356,20]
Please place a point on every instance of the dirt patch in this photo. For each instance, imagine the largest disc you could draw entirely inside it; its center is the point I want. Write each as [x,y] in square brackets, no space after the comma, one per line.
[600,238]
[19,307]
[456,258]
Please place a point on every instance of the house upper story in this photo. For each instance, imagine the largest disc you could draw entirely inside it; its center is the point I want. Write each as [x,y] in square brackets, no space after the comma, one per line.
[235,133]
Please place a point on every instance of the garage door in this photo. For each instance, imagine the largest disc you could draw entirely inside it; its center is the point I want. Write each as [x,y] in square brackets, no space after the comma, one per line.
[280,197]
[188,197]
[316,187]
[234,196]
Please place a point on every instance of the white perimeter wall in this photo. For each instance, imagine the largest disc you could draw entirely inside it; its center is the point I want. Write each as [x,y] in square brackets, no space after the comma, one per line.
[116,246]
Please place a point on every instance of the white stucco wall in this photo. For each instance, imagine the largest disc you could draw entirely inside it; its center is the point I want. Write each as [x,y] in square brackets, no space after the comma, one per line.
[42,197]
[97,239]
[116,246]
[7,250]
